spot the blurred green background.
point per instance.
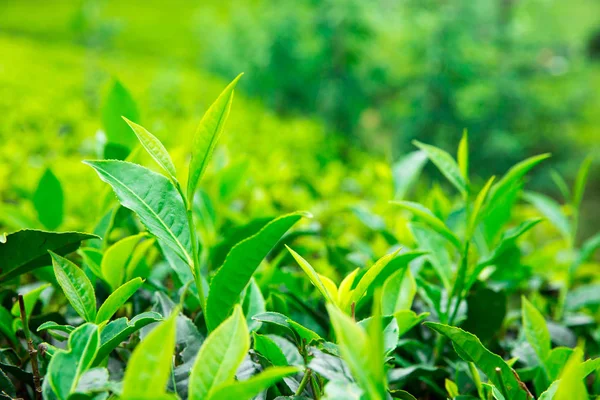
(334, 93)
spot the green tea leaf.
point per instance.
(48, 200)
(470, 349)
(207, 135)
(154, 147)
(246, 390)
(29, 298)
(67, 367)
(446, 164)
(218, 359)
(536, 331)
(115, 332)
(571, 384)
(398, 292)
(76, 286)
(551, 210)
(116, 258)
(119, 103)
(154, 199)
(463, 156)
(354, 347)
(580, 181)
(314, 277)
(406, 171)
(430, 219)
(475, 212)
(511, 179)
(149, 367)
(239, 266)
(367, 280)
(6, 326)
(269, 349)
(408, 319)
(92, 258)
(26, 250)
(117, 299)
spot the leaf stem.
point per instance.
(304, 382)
(502, 385)
(477, 380)
(32, 350)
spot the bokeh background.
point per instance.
(333, 95)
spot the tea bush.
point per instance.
(190, 288)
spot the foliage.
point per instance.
(183, 298)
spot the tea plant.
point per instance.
(160, 302)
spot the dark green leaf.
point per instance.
(76, 286)
(48, 200)
(25, 250)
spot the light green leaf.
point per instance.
(551, 210)
(154, 199)
(355, 350)
(313, 275)
(512, 179)
(119, 103)
(26, 250)
(117, 299)
(67, 367)
(253, 304)
(92, 258)
(116, 258)
(246, 390)
(476, 211)
(406, 171)
(367, 280)
(220, 355)
(29, 298)
(398, 292)
(446, 164)
(580, 181)
(149, 367)
(48, 200)
(207, 135)
(154, 147)
(430, 219)
(239, 266)
(536, 331)
(76, 286)
(463, 156)
(407, 319)
(571, 384)
(470, 349)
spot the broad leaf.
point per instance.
(48, 200)
(76, 286)
(239, 266)
(116, 258)
(67, 367)
(154, 199)
(149, 367)
(207, 135)
(470, 349)
(269, 349)
(117, 299)
(119, 330)
(119, 103)
(26, 250)
(29, 298)
(398, 292)
(222, 352)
